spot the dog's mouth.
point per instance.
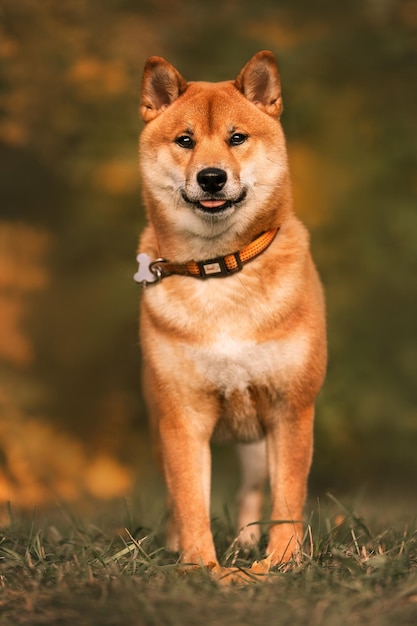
(214, 205)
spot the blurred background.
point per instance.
(72, 421)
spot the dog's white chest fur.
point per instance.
(249, 378)
(232, 364)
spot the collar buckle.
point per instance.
(220, 266)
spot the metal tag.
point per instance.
(144, 275)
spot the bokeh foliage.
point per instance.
(70, 215)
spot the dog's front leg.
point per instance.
(187, 467)
(290, 444)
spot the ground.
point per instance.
(101, 567)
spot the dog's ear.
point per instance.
(161, 85)
(259, 81)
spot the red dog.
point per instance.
(233, 326)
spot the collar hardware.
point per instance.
(218, 267)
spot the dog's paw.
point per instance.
(241, 576)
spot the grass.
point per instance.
(62, 568)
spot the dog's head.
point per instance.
(213, 155)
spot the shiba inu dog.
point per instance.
(233, 315)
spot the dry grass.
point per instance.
(64, 569)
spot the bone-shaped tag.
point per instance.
(144, 274)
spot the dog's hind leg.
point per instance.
(253, 464)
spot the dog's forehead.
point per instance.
(209, 96)
(208, 103)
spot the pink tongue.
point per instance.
(211, 204)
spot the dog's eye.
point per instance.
(237, 139)
(184, 141)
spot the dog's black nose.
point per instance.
(212, 179)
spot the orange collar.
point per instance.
(153, 271)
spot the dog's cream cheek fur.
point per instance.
(167, 180)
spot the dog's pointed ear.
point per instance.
(259, 81)
(161, 85)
